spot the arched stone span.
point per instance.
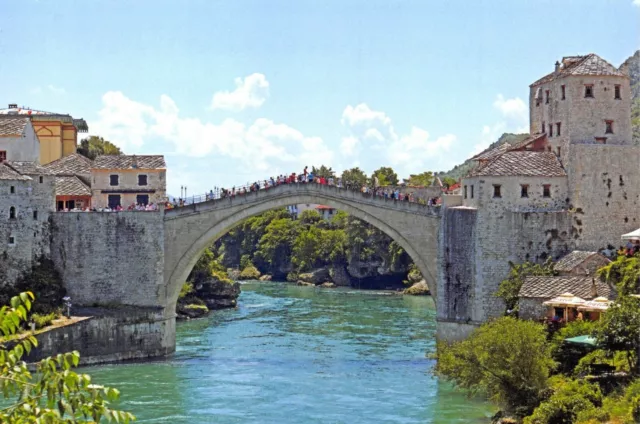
(189, 230)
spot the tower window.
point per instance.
(496, 190)
(588, 91)
(472, 191)
(12, 240)
(608, 127)
(559, 151)
(616, 91)
(524, 190)
(41, 179)
(3, 155)
(546, 190)
(547, 96)
(550, 130)
(142, 180)
(562, 87)
(558, 129)
(544, 126)
(12, 212)
(114, 180)
(35, 215)
(601, 140)
(12, 189)
(465, 192)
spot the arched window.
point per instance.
(12, 212)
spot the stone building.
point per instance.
(26, 200)
(574, 184)
(125, 180)
(73, 181)
(580, 262)
(18, 139)
(58, 133)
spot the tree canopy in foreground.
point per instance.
(53, 394)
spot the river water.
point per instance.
(292, 354)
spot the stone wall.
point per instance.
(111, 258)
(127, 187)
(110, 336)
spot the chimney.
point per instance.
(594, 288)
(557, 67)
(13, 106)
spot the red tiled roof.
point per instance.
(591, 64)
(323, 207)
(522, 163)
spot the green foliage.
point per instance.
(54, 393)
(354, 178)
(510, 288)
(314, 247)
(245, 261)
(309, 217)
(44, 282)
(448, 181)
(186, 290)
(206, 267)
(195, 307)
(568, 355)
(386, 176)
(275, 246)
(624, 273)
(250, 272)
(599, 356)
(570, 398)
(421, 180)
(507, 359)
(94, 146)
(323, 171)
(619, 329)
(42, 321)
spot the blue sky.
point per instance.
(230, 91)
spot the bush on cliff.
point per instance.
(509, 289)
(250, 272)
(45, 283)
(507, 359)
(53, 393)
(570, 398)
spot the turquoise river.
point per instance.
(292, 354)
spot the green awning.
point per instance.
(582, 340)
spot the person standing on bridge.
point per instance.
(305, 172)
(376, 182)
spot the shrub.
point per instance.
(186, 290)
(570, 398)
(599, 356)
(45, 283)
(42, 321)
(250, 273)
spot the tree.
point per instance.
(624, 273)
(448, 181)
(618, 330)
(276, 244)
(507, 359)
(386, 176)
(510, 288)
(94, 146)
(421, 180)
(354, 178)
(323, 171)
(54, 393)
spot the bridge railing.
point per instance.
(221, 193)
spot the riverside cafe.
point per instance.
(567, 307)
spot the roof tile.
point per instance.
(129, 162)
(522, 163)
(28, 168)
(591, 64)
(549, 287)
(74, 164)
(570, 261)
(71, 186)
(8, 173)
(13, 125)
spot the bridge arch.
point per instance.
(190, 230)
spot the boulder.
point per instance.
(249, 273)
(304, 283)
(418, 289)
(191, 311)
(328, 285)
(218, 293)
(234, 274)
(317, 276)
(414, 276)
(340, 276)
(265, 277)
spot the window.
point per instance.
(602, 140)
(35, 215)
(142, 180)
(550, 130)
(3, 155)
(114, 201)
(558, 129)
(544, 126)
(524, 190)
(12, 189)
(547, 95)
(496, 190)
(472, 191)
(12, 212)
(546, 190)
(559, 150)
(114, 180)
(142, 199)
(588, 91)
(608, 127)
(563, 92)
(465, 192)
(12, 240)
(41, 179)
(616, 91)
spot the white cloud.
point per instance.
(514, 110)
(373, 131)
(636, 3)
(252, 91)
(261, 146)
(514, 117)
(56, 90)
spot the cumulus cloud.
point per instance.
(514, 117)
(374, 131)
(250, 92)
(636, 3)
(263, 145)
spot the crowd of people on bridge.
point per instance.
(307, 177)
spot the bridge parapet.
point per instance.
(328, 193)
